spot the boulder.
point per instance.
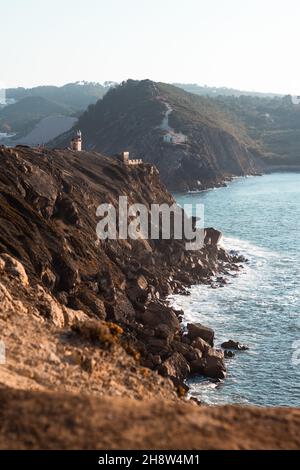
(95, 304)
(212, 236)
(228, 354)
(163, 331)
(49, 308)
(48, 278)
(157, 346)
(211, 365)
(122, 311)
(71, 317)
(234, 345)
(189, 353)
(175, 367)
(157, 315)
(67, 210)
(15, 268)
(200, 344)
(196, 330)
(67, 274)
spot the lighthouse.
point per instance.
(76, 142)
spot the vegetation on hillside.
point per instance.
(22, 116)
(274, 123)
(29, 105)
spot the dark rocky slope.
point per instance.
(130, 118)
(48, 203)
(80, 320)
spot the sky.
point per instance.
(249, 45)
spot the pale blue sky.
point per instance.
(245, 44)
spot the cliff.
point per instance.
(48, 210)
(83, 318)
(209, 147)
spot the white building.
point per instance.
(76, 142)
(175, 139)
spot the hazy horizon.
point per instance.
(140, 79)
(220, 44)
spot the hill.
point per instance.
(274, 123)
(75, 95)
(221, 91)
(27, 107)
(21, 117)
(192, 140)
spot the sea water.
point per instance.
(260, 218)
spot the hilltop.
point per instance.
(209, 145)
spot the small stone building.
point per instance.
(125, 158)
(76, 142)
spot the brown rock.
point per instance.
(163, 331)
(15, 268)
(157, 346)
(142, 282)
(212, 236)
(175, 367)
(200, 344)
(228, 354)
(234, 345)
(196, 330)
(189, 353)
(212, 365)
(157, 315)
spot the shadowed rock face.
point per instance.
(48, 209)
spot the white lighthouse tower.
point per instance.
(76, 142)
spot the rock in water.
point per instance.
(196, 330)
(211, 365)
(234, 345)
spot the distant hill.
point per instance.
(22, 116)
(221, 91)
(138, 116)
(27, 107)
(271, 120)
(274, 123)
(74, 95)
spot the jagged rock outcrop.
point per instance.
(48, 237)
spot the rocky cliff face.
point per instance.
(81, 318)
(206, 145)
(48, 224)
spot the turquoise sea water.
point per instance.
(259, 217)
